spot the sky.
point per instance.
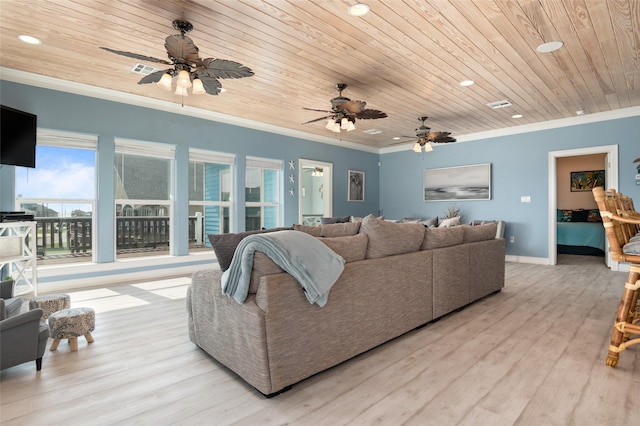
(60, 173)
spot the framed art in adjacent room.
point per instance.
(458, 183)
(356, 186)
(587, 180)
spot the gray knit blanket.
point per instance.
(303, 256)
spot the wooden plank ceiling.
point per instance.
(406, 57)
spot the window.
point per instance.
(210, 202)
(262, 193)
(61, 193)
(143, 197)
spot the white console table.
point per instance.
(18, 255)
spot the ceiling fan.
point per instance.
(425, 137)
(344, 112)
(191, 71)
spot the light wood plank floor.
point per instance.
(533, 354)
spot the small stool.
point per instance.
(71, 323)
(50, 303)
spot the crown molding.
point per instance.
(82, 89)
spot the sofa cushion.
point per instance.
(473, 234)
(262, 265)
(351, 247)
(330, 220)
(442, 237)
(331, 230)
(388, 238)
(224, 245)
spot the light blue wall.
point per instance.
(519, 163)
(519, 166)
(110, 120)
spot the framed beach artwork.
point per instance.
(587, 180)
(458, 183)
(356, 186)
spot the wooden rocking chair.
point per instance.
(622, 223)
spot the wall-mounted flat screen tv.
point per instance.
(17, 137)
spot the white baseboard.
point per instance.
(527, 259)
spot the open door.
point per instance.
(315, 191)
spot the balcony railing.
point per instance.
(72, 235)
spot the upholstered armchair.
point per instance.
(23, 337)
(12, 304)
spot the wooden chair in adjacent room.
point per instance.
(622, 225)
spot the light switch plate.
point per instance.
(525, 199)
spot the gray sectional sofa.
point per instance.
(396, 277)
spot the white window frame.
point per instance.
(271, 164)
(60, 139)
(212, 157)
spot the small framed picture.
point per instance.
(587, 180)
(356, 186)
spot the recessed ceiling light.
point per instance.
(466, 83)
(359, 9)
(516, 116)
(580, 112)
(372, 131)
(549, 47)
(396, 138)
(28, 39)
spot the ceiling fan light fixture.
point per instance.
(198, 87)
(350, 126)
(165, 81)
(417, 147)
(343, 123)
(336, 127)
(181, 91)
(330, 124)
(428, 147)
(184, 79)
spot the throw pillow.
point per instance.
(224, 245)
(331, 230)
(579, 215)
(442, 237)
(430, 223)
(351, 248)
(388, 238)
(632, 248)
(477, 233)
(594, 216)
(565, 215)
(452, 221)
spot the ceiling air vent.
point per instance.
(372, 131)
(144, 69)
(499, 104)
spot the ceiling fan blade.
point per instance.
(153, 77)
(440, 137)
(318, 119)
(211, 84)
(370, 114)
(223, 68)
(137, 56)
(181, 49)
(318, 110)
(351, 107)
(405, 141)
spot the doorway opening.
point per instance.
(315, 191)
(610, 166)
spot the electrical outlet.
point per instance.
(512, 239)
